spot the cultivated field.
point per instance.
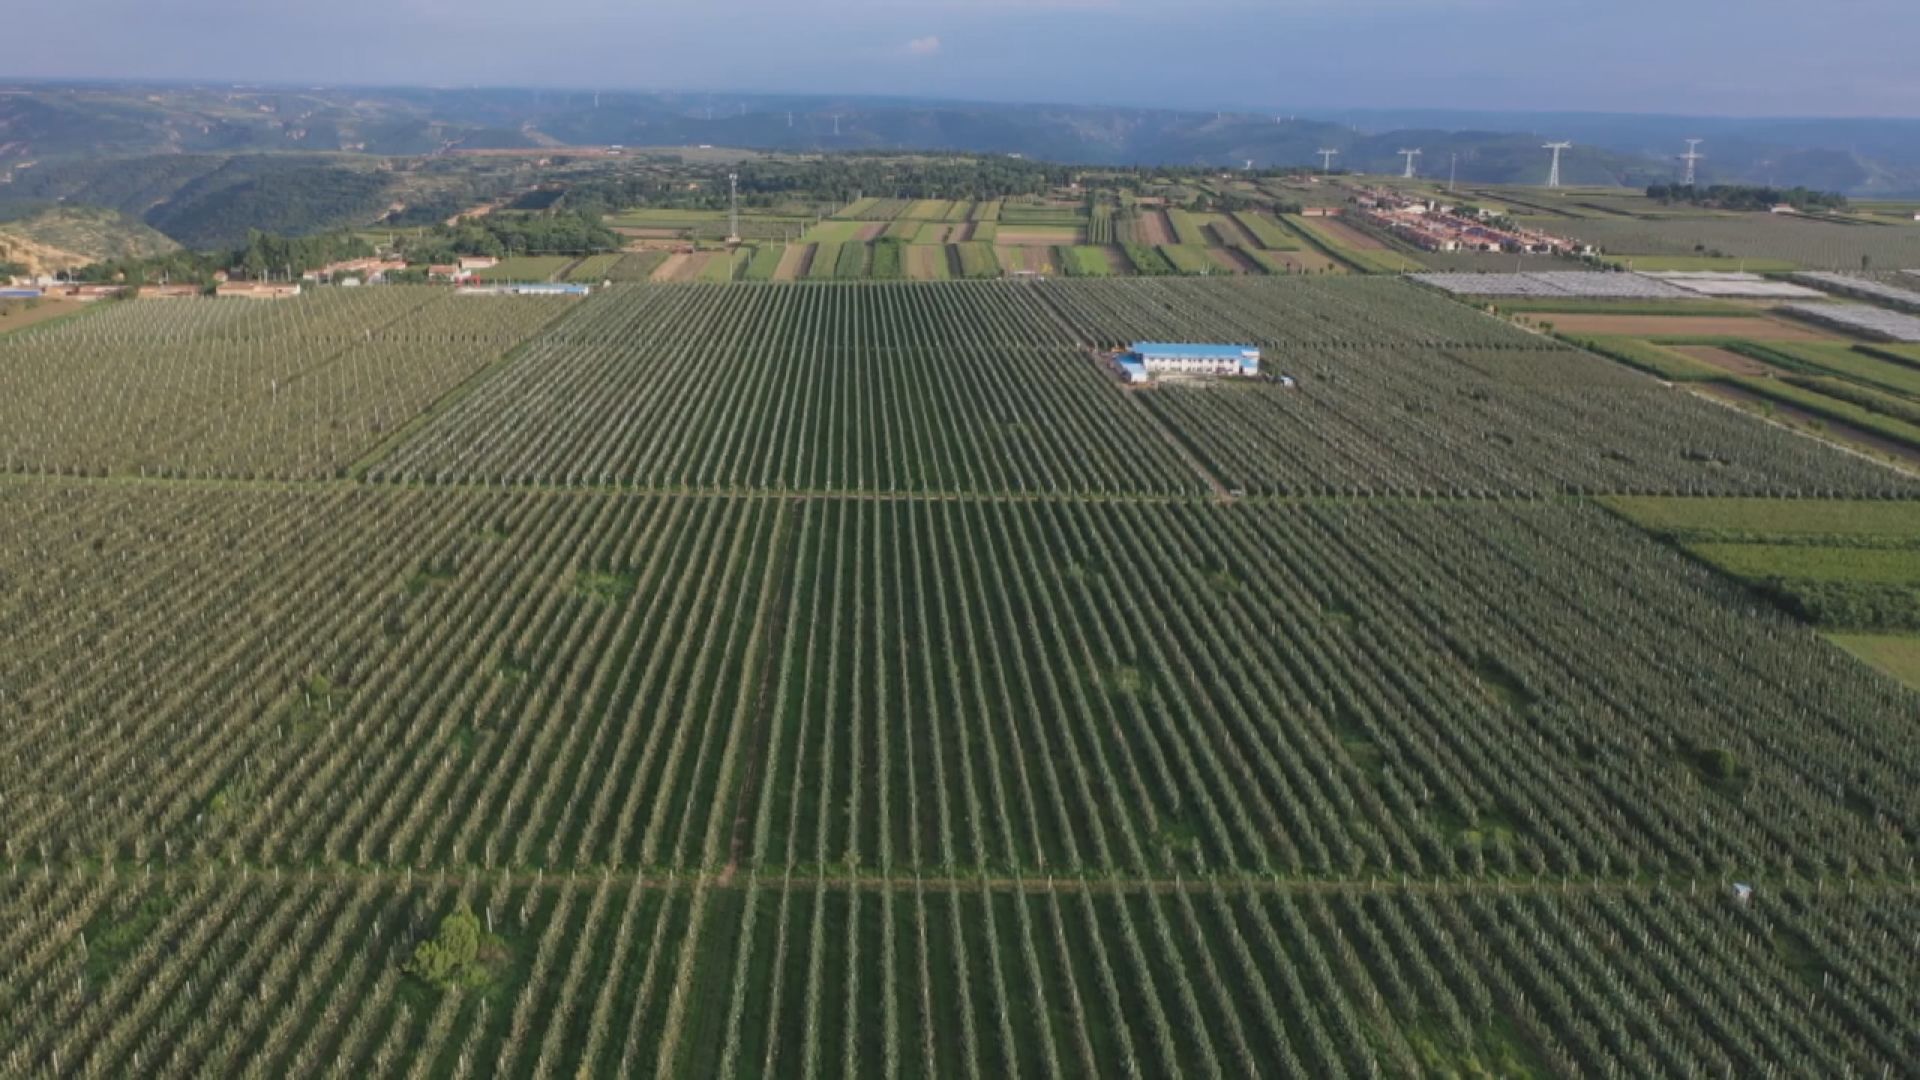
(245, 390)
(856, 678)
(1684, 326)
(1780, 239)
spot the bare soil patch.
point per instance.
(1036, 237)
(871, 232)
(794, 262)
(1154, 228)
(1347, 236)
(672, 268)
(1232, 261)
(1227, 232)
(1724, 360)
(20, 314)
(1038, 260)
(1652, 326)
(927, 262)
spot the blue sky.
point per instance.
(1750, 57)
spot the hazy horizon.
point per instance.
(1310, 56)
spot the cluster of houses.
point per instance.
(348, 273)
(1434, 226)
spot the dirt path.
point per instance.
(1751, 328)
(672, 268)
(1724, 360)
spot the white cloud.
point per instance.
(924, 46)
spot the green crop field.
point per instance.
(1186, 259)
(857, 678)
(238, 390)
(1765, 241)
(834, 232)
(594, 268)
(527, 268)
(977, 260)
(764, 262)
(1086, 261)
(1271, 235)
(636, 266)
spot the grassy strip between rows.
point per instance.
(1650, 358)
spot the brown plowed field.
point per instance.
(871, 232)
(1154, 228)
(16, 315)
(672, 268)
(794, 262)
(1233, 261)
(1348, 236)
(1724, 360)
(1036, 237)
(1038, 260)
(927, 262)
(1228, 233)
(1650, 326)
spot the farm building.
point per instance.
(1170, 359)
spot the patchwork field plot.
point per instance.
(1777, 238)
(228, 388)
(1685, 326)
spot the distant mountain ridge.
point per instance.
(292, 155)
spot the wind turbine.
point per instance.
(1692, 157)
(1553, 175)
(1410, 155)
(1326, 159)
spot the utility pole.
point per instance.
(1553, 175)
(733, 218)
(1453, 170)
(1692, 157)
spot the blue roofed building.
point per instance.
(1164, 358)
